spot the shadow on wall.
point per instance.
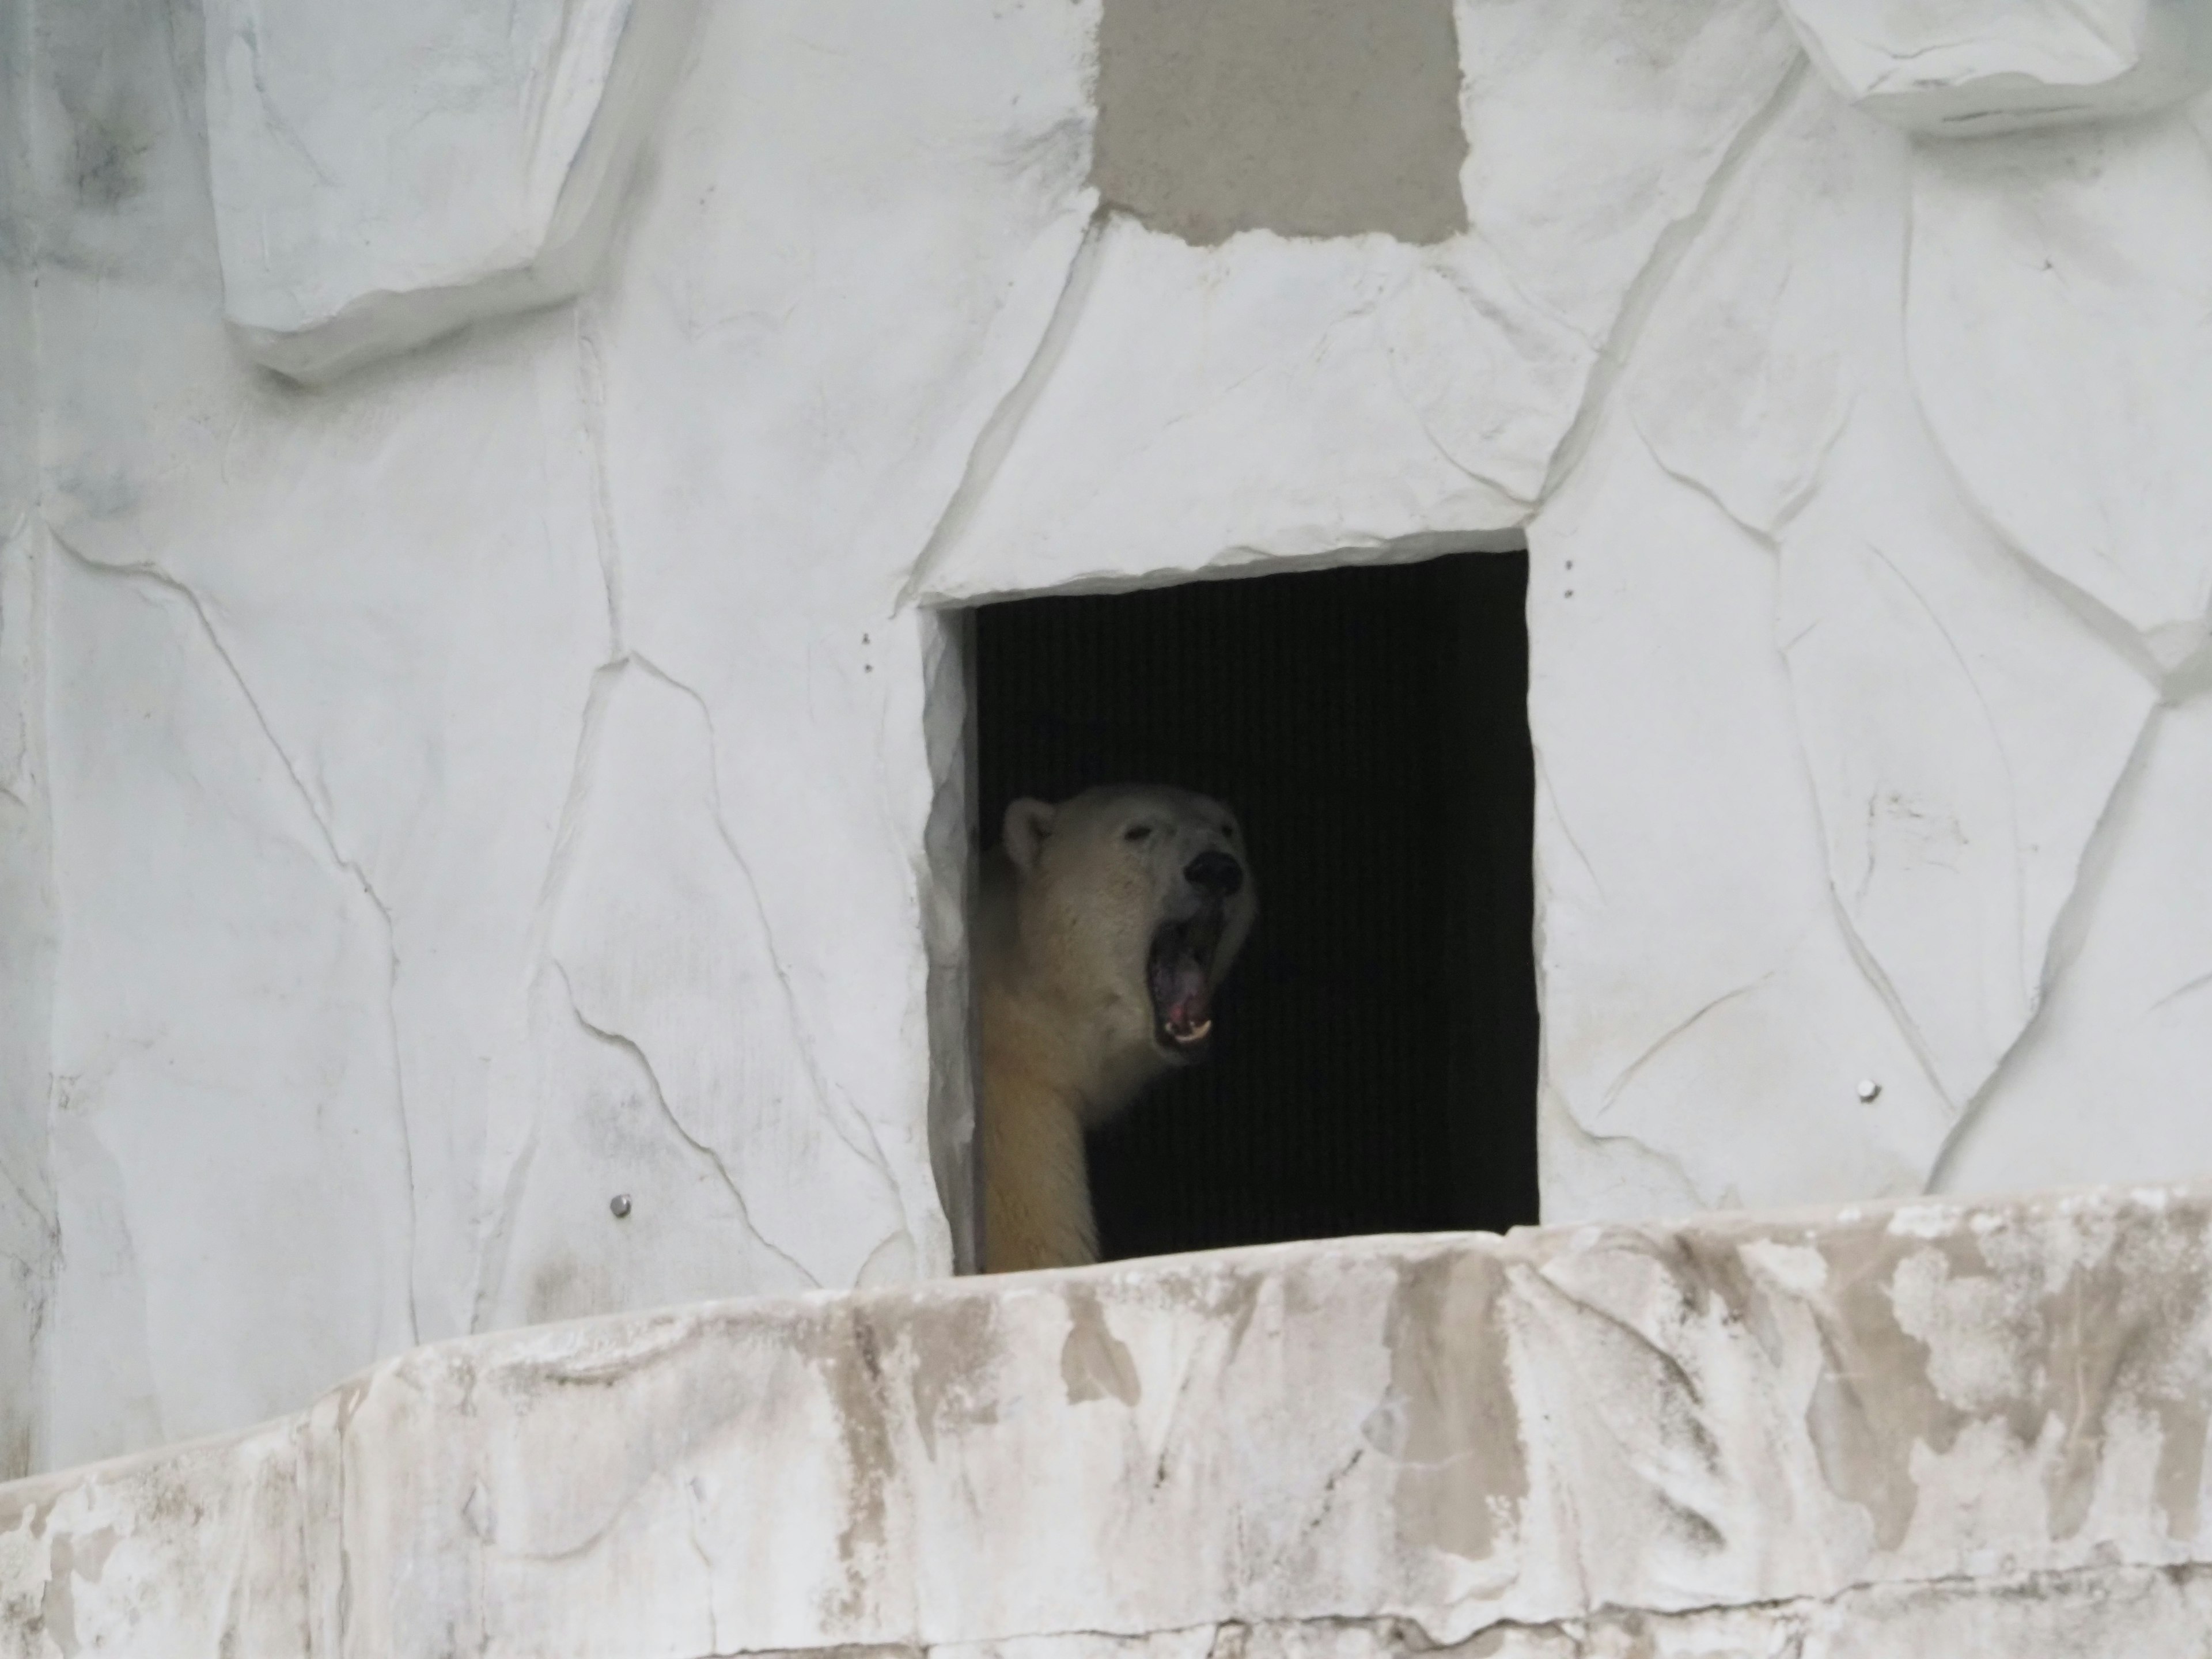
(1374, 1066)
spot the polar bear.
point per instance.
(1105, 925)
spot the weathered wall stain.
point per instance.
(72, 1557)
(1450, 1418)
(2128, 1331)
(1875, 1400)
(1094, 1363)
(853, 1360)
(2058, 1331)
(950, 1353)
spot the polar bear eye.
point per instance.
(1138, 832)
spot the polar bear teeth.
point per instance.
(1196, 1034)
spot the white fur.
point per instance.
(1068, 910)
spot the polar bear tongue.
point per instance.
(1179, 993)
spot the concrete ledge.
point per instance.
(1926, 1427)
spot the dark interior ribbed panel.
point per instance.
(1375, 1061)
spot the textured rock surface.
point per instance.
(454, 831)
(528, 770)
(1965, 68)
(26, 1199)
(2097, 245)
(1824, 519)
(385, 176)
(1960, 728)
(1207, 408)
(2128, 1012)
(1930, 1430)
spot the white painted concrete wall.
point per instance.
(26, 964)
(525, 768)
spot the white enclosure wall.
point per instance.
(466, 776)
(27, 1199)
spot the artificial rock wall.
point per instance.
(481, 485)
(1916, 1431)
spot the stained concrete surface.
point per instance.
(1926, 1429)
(1311, 117)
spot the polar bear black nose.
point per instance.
(1214, 871)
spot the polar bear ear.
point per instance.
(1028, 823)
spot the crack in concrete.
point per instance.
(1512, 325)
(1667, 253)
(493, 1246)
(2093, 613)
(560, 863)
(19, 550)
(2068, 930)
(560, 868)
(1996, 742)
(707, 1561)
(827, 1100)
(1877, 979)
(635, 1051)
(1436, 444)
(1870, 967)
(1559, 816)
(1681, 1028)
(46, 1219)
(2030, 994)
(1861, 954)
(2123, 636)
(592, 392)
(493, 1242)
(1766, 539)
(156, 576)
(1577, 1627)
(274, 118)
(1786, 510)
(1004, 425)
(2194, 982)
(1589, 1138)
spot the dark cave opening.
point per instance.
(1375, 1062)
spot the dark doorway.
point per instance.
(1374, 1067)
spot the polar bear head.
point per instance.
(1131, 902)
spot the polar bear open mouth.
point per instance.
(1179, 974)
